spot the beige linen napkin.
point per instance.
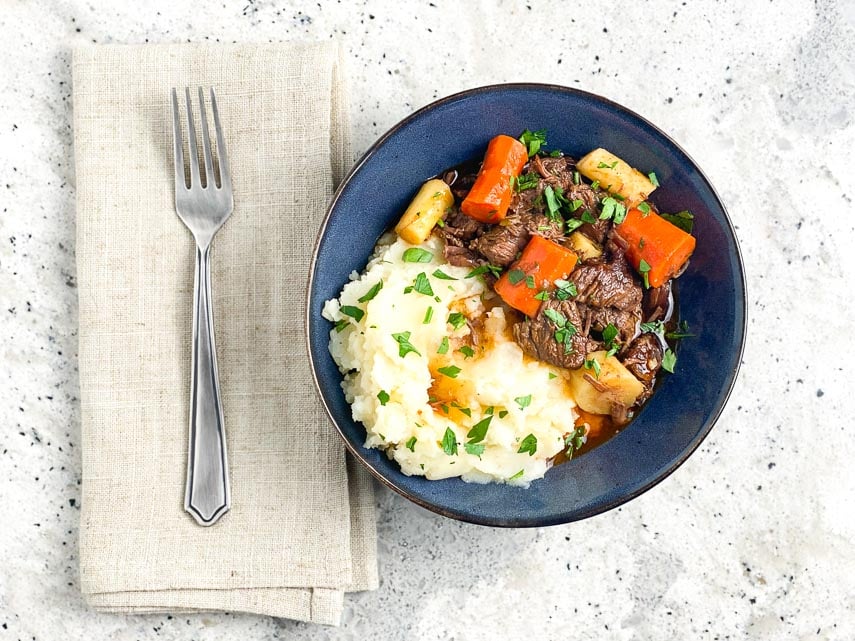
(301, 530)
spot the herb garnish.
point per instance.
(383, 397)
(523, 401)
(565, 290)
(644, 208)
(450, 370)
(603, 165)
(516, 276)
(566, 330)
(354, 312)
(417, 255)
(456, 320)
(574, 441)
(593, 363)
(533, 140)
(542, 295)
(411, 443)
(644, 270)
(483, 269)
(404, 344)
(517, 475)
(653, 179)
(475, 449)
(685, 220)
(669, 360)
(449, 442)
(371, 293)
(478, 431)
(443, 346)
(527, 181)
(442, 275)
(421, 285)
(467, 351)
(529, 444)
(341, 325)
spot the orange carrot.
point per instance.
(490, 196)
(542, 263)
(663, 247)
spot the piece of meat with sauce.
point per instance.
(599, 318)
(608, 284)
(536, 336)
(643, 358)
(504, 241)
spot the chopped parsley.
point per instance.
(428, 315)
(475, 449)
(411, 443)
(489, 411)
(657, 327)
(603, 165)
(595, 185)
(517, 475)
(443, 346)
(669, 360)
(404, 344)
(503, 413)
(542, 295)
(566, 289)
(594, 364)
(523, 401)
(552, 375)
(644, 208)
(483, 269)
(478, 431)
(383, 397)
(354, 312)
(576, 178)
(575, 204)
(421, 284)
(566, 330)
(644, 270)
(682, 331)
(552, 205)
(467, 351)
(417, 255)
(371, 293)
(341, 325)
(529, 282)
(613, 210)
(588, 218)
(653, 178)
(451, 371)
(449, 442)
(685, 220)
(516, 276)
(574, 441)
(456, 320)
(533, 140)
(555, 317)
(527, 181)
(529, 444)
(573, 224)
(442, 275)
(609, 335)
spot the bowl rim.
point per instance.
(355, 450)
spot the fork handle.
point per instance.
(207, 495)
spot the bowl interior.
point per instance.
(712, 297)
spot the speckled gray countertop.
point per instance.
(753, 538)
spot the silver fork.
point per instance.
(203, 208)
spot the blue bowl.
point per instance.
(712, 295)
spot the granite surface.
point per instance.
(753, 538)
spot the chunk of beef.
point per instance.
(461, 226)
(536, 336)
(598, 318)
(656, 302)
(504, 241)
(461, 256)
(643, 358)
(461, 181)
(608, 284)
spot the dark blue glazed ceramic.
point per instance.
(712, 294)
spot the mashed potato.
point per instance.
(441, 398)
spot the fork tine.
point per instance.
(178, 145)
(195, 181)
(225, 176)
(206, 143)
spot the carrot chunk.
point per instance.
(490, 196)
(655, 247)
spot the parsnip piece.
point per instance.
(584, 246)
(615, 175)
(426, 208)
(615, 384)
